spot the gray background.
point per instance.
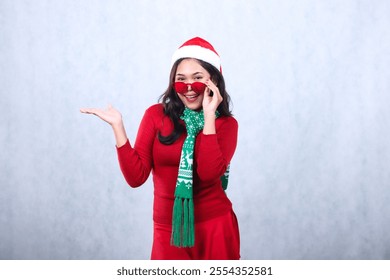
(310, 83)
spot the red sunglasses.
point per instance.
(182, 88)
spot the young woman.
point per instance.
(187, 141)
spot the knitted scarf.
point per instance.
(183, 233)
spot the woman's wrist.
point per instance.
(120, 134)
(117, 125)
(209, 124)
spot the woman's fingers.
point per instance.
(109, 115)
(214, 89)
(214, 100)
(88, 110)
(97, 112)
(93, 111)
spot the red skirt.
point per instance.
(215, 239)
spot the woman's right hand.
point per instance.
(113, 117)
(110, 115)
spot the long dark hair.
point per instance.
(174, 107)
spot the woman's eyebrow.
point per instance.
(194, 74)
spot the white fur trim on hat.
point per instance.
(197, 52)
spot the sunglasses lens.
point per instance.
(181, 87)
(198, 87)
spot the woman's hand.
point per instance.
(110, 115)
(113, 117)
(211, 103)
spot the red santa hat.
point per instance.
(200, 49)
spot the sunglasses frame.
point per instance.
(182, 88)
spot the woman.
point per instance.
(187, 141)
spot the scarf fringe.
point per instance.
(183, 234)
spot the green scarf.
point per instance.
(183, 233)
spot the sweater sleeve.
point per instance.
(136, 162)
(217, 150)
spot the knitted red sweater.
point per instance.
(212, 156)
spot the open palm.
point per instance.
(109, 115)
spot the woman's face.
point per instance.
(190, 71)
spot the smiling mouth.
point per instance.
(191, 97)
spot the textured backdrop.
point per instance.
(310, 83)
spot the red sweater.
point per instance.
(212, 155)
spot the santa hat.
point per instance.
(200, 49)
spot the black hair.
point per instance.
(174, 107)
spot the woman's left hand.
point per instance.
(211, 103)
